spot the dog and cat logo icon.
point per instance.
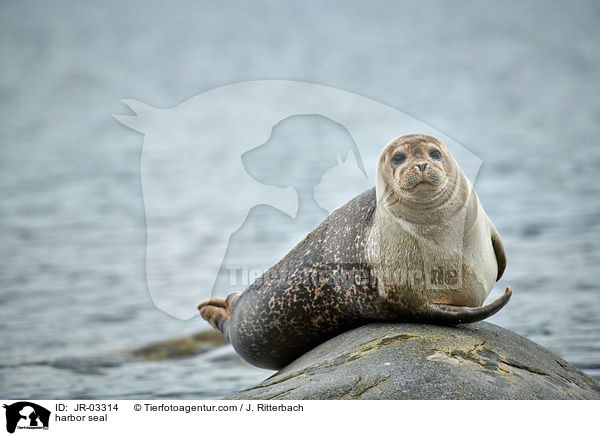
(26, 415)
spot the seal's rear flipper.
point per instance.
(217, 311)
(447, 314)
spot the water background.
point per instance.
(517, 84)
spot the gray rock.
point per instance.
(186, 346)
(413, 361)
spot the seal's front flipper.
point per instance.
(447, 314)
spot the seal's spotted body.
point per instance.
(297, 314)
(344, 273)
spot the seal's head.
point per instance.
(415, 170)
(415, 166)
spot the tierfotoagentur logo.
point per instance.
(25, 415)
(235, 177)
(343, 275)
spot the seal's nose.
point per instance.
(422, 166)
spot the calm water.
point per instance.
(516, 84)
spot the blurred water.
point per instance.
(517, 84)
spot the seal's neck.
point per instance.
(437, 208)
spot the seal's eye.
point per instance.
(398, 158)
(435, 154)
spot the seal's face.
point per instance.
(415, 167)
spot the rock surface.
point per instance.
(186, 346)
(413, 361)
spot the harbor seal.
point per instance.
(416, 248)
